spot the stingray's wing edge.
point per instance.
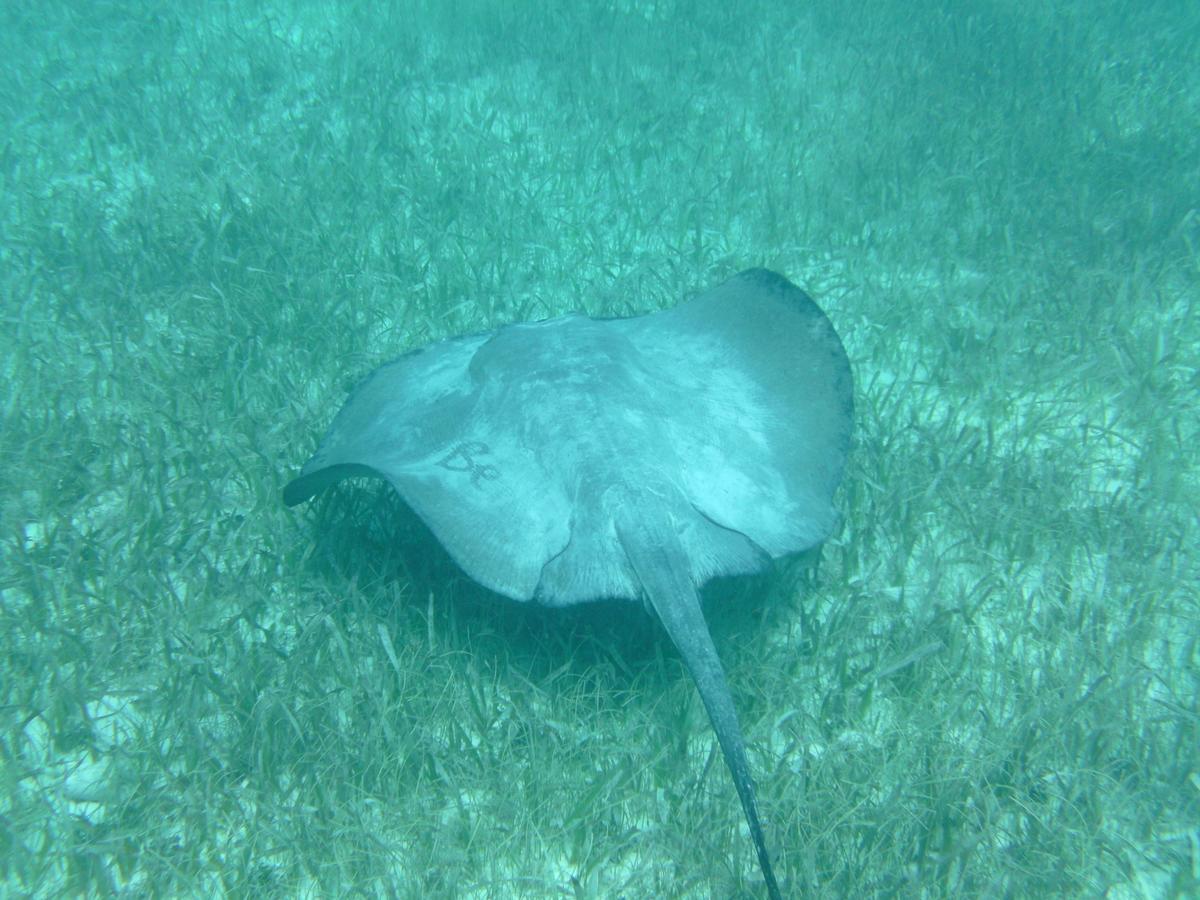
(310, 484)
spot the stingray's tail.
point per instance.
(661, 566)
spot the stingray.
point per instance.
(578, 459)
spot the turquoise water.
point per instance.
(216, 219)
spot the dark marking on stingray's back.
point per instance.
(465, 457)
(575, 459)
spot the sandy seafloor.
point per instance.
(216, 218)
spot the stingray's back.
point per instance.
(731, 412)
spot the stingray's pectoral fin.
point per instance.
(308, 484)
(653, 549)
